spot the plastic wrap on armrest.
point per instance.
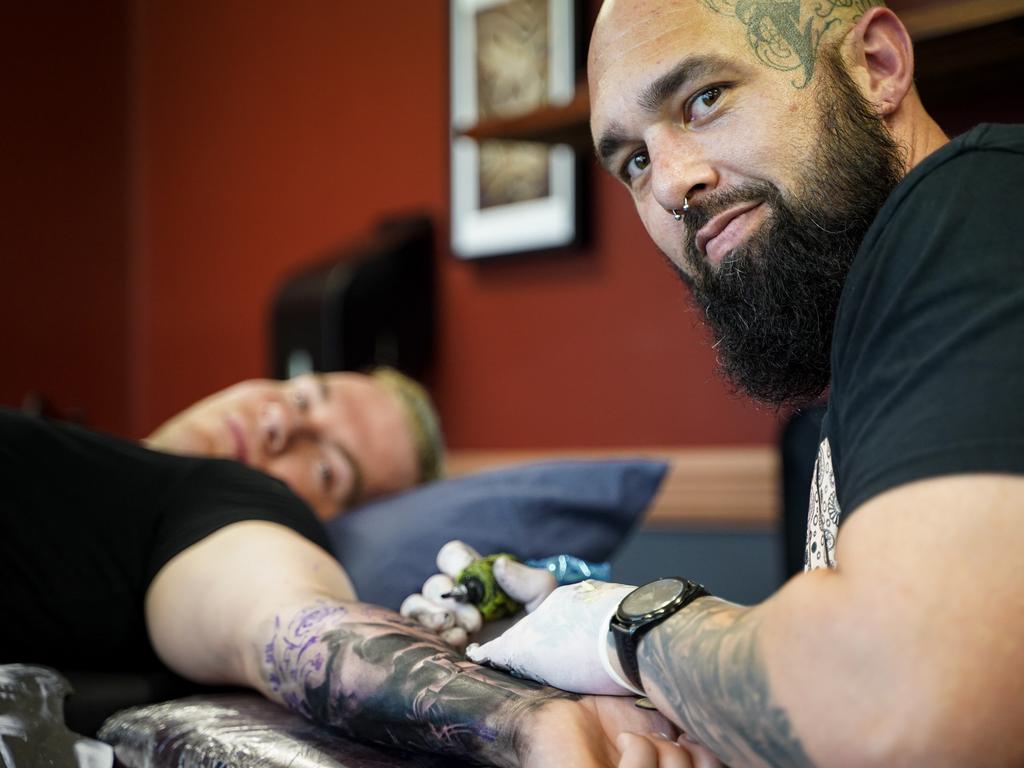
(240, 730)
(32, 730)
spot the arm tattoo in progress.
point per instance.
(784, 34)
(372, 675)
(705, 663)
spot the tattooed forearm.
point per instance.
(784, 34)
(370, 674)
(704, 663)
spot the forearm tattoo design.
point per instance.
(784, 34)
(704, 661)
(372, 675)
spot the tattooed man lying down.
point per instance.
(115, 557)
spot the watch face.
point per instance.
(651, 597)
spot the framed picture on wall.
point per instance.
(508, 58)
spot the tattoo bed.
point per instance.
(232, 729)
(241, 729)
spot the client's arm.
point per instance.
(258, 605)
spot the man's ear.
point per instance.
(882, 57)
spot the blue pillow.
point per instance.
(581, 508)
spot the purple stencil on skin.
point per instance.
(369, 673)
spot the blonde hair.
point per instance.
(423, 417)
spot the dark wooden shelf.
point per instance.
(954, 41)
(552, 124)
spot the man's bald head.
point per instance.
(636, 40)
(785, 36)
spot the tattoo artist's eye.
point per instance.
(635, 165)
(703, 103)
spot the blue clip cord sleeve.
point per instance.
(570, 570)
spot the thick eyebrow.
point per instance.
(355, 495)
(657, 93)
(653, 97)
(608, 145)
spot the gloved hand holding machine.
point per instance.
(580, 636)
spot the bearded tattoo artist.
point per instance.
(779, 156)
(206, 557)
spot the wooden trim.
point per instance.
(705, 486)
(549, 124)
(947, 17)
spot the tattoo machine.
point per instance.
(476, 584)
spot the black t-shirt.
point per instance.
(87, 521)
(928, 349)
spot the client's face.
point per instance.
(335, 439)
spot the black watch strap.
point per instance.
(626, 650)
(627, 632)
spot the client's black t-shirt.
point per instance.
(87, 521)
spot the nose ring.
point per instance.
(676, 214)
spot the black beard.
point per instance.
(771, 303)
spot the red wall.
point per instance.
(166, 162)
(262, 134)
(270, 132)
(63, 197)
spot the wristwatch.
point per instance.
(643, 609)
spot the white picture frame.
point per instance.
(543, 222)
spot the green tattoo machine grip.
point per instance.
(476, 584)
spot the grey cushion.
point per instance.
(581, 508)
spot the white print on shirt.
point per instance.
(822, 513)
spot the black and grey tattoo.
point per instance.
(372, 675)
(705, 663)
(784, 34)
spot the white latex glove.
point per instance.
(565, 642)
(452, 620)
(455, 621)
(526, 585)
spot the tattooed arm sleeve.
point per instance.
(908, 653)
(704, 668)
(258, 605)
(369, 673)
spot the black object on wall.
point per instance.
(370, 303)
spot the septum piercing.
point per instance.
(676, 214)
